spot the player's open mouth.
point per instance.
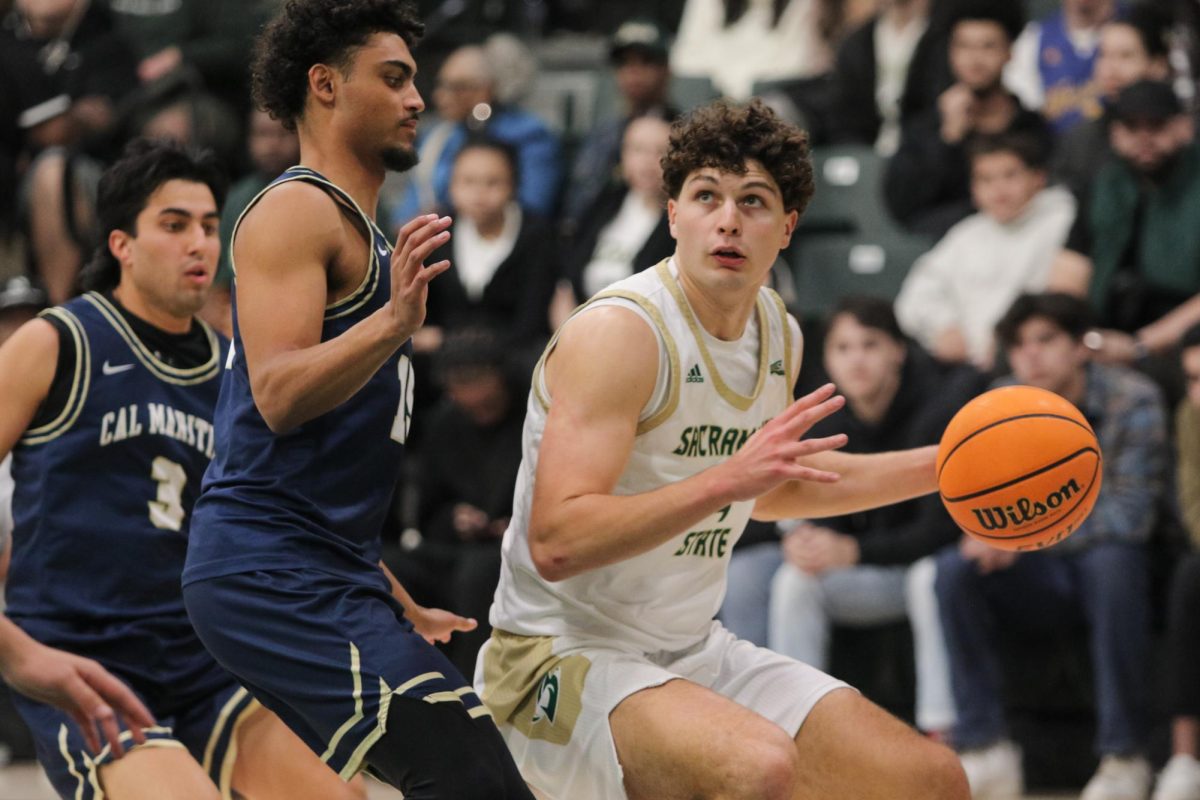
(729, 256)
(196, 274)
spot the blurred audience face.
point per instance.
(1122, 59)
(979, 49)
(170, 258)
(1149, 145)
(864, 362)
(45, 18)
(482, 185)
(462, 84)
(1002, 184)
(1089, 11)
(273, 148)
(480, 393)
(1044, 355)
(642, 81)
(642, 150)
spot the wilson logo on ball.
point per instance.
(1024, 510)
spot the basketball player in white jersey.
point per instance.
(660, 421)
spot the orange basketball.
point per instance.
(1019, 468)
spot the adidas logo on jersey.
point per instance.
(777, 367)
(694, 375)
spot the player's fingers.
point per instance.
(796, 425)
(799, 472)
(414, 264)
(807, 447)
(119, 696)
(430, 272)
(404, 258)
(86, 727)
(112, 733)
(413, 224)
(802, 404)
(90, 710)
(465, 624)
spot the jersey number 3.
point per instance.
(404, 412)
(166, 511)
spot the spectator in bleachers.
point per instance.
(737, 42)
(211, 37)
(888, 71)
(466, 483)
(638, 53)
(1131, 49)
(874, 567)
(1180, 779)
(625, 230)
(466, 102)
(927, 185)
(1097, 579)
(272, 149)
(502, 258)
(1051, 68)
(1134, 250)
(955, 294)
(82, 53)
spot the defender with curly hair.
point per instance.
(284, 582)
(661, 419)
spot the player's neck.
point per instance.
(137, 304)
(723, 315)
(357, 179)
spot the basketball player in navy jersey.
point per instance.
(283, 580)
(106, 404)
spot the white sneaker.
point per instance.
(1119, 779)
(994, 772)
(1179, 780)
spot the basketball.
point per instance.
(1019, 468)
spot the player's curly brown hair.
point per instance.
(307, 32)
(726, 135)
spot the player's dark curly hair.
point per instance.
(125, 188)
(725, 135)
(307, 32)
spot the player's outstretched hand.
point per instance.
(88, 693)
(415, 242)
(773, 454)
(437, 625)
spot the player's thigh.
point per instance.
(850, 749)
(157, 773)
(681, 740)
(263, 744)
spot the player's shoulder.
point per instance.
(297, 209)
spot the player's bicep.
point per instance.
(600, 376)
(27, 364)
(281, 254)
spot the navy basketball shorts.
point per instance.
(205, 726)
(325, 652)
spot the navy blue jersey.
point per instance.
(103, 490)
(314, 496)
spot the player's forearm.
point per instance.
(867, 481)
(296, 386)
(594, 530)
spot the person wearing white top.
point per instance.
(661, 418)
(954, 295)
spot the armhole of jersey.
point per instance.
(80, 381)
(790, 348)
(361, 293)
(665, 397)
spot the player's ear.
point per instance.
(789, 227)
(321, 81)
(671, 217)
(120, 244)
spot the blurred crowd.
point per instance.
(1006, 192)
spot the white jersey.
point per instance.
(664, 599)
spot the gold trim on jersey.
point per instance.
(738, 401)
(178, 376)
(229, 758)
(672, 401)
(366, 288)
(788, 365)
(356, 717)
(80, 383)
(66, 754)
